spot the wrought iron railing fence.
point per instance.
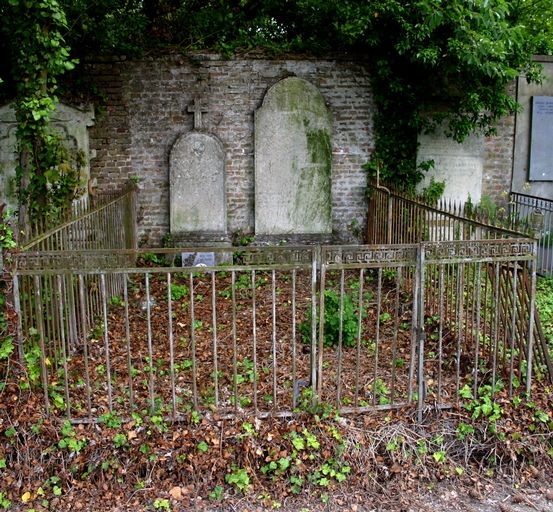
(74, 211)
(270, 330)
(438, 302)
(395, 217)
(108, 227)
(536, 213)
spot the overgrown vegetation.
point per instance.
(544, 304)
(146, 462)
(339, 316)
(48, 176)
(431, 62)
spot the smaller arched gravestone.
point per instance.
(197, 186)
(293, 161)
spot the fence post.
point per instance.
(419, 327)
(531, 308)
(316, 267)
(18, 326)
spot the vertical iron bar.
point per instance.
(193, 341)
(234, 349)
(316, 260)
(377, 336)
(128, 338)
(532, 312)
(215, 342)
(40, 325)
(321, 331)
(476, 331)
(458, 323)
(359, 329)
(106, 340)
(441, 312)
(171, 346)
(396, 333)
(82, 304)
(63, 347)
(294, 348)
(414, 332)
(513, 328)
(420, 330)
(19, 324)
(340, 341)
(150, 348)
(274, 339)
(254, 346)
(495, 326)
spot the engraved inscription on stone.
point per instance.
(541, 144)
(197, 185)
(293, 160)
(460, 165)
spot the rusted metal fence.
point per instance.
(273, 329)
(536, 214)
(74, 211)
(396, 218)
(111, 225)
(108, 227)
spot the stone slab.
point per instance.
(460, 165)
(197, 185)
(521, 161)
(293, 161)
(541, 137)
(198, 259)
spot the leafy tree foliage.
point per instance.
(39, 56)
(431, 61)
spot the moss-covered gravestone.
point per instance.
(293, 161)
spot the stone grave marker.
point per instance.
(197, 183)
(460, 165)
(293, 161)
(71, 123)
(541, 149)
(198, 259)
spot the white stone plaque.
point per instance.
(460, 165)
(198, 259)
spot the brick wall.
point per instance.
(498, 159)
(145, 110)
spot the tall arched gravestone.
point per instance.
(197, 186)
(71, 123)
(293, 161)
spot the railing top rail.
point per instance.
(543, 202)
(273, 258)
(29, 245)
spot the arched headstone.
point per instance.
(197, 185)
(293, 161)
